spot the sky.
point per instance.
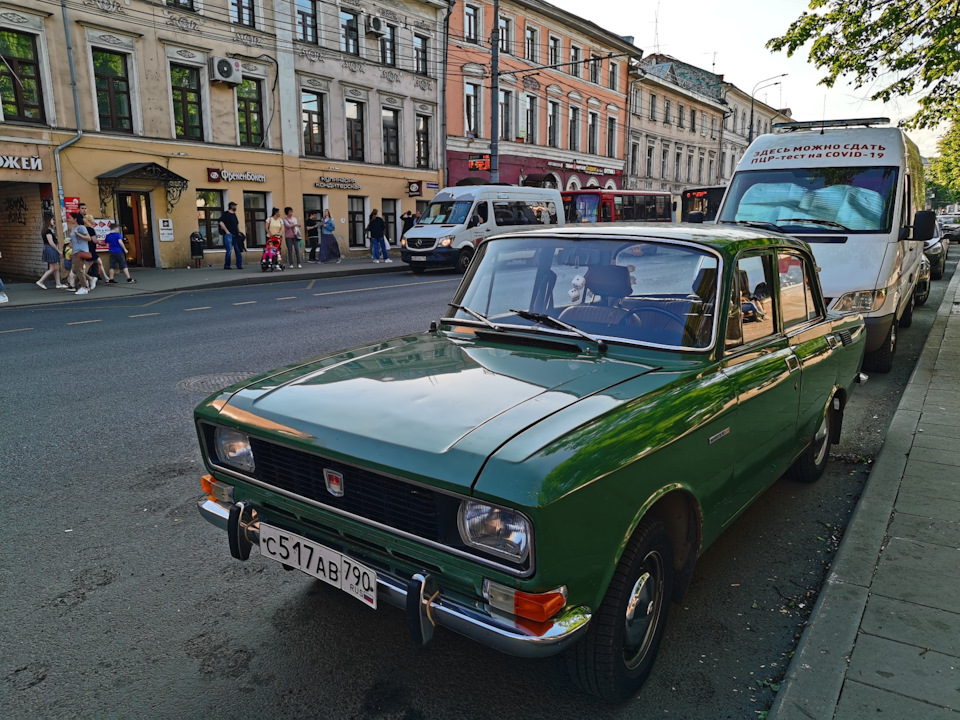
(728, 37)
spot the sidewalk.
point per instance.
(884, 636)
(155, 280)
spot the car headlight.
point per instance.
(403, 242)
(861, 301)
(496, 530)
(233, 449)
(446, 241)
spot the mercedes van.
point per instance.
(854, 191)
(461, 217)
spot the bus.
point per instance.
(601, 205)
(701, 199)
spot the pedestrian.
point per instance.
(291, 233)
(416, 218)
(81, 255)
(3, 295)
(51, 253)
(118, 253)
(229, 225)
(68, 266)
(313, 234)
(329, 248)
(376, 230)
(408, 221)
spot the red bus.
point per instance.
(701, 199)
(599, 205)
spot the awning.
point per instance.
(148, 174)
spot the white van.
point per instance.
(855, 193)
(458, 218)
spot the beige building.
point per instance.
(187, 105)
(736, 126)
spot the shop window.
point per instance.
(210, 207)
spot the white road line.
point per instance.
(290, 297)
(143, 315)
(17, 330)
(84, 322)
(247, 302)
(205, 307)
(387, 287)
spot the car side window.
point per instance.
(796, 294)
(751, 313)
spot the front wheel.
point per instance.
(906, 320)
(617, 654)
(417, 269)
(921, 295)
(881, 359)
(809, 467)
(463, 260)
(936, 273)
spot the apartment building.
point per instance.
(560, 105)
(183, 106)
(736, 126)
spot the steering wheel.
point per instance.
(673, 319)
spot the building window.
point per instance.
(678, 164)
(530, 121)
(703, 124)
(532, 44)
(391, 136)
(554, 51)
(664, 155)
(637, 101)
(574, 138)
(553, 123)
(681, 117)
(250, 112)
(307, 21)
(209, 210)
(187, 106)
(471, 23)
(710, 173)
(690, 167)
(595, 65)
(420, 47)
(634, 158)
(650, 151)
(614, 77)
(113, 91)
(388, 211)
(574, 61)
(423, 141)
(667, 112)
(713, 126)
(354, 130)
(181, 4)
(506, 100)
(504, 28)
(700, 169)
(242, 12)
(312, 119)
(611, 137)
(593, 133)
(653, 106)
(471, 109)
(388, 46)
(350, 33)
(356, 221)
(20, 89)
(693, 120)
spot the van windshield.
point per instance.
(811, 200)
(446, 212)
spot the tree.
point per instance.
(906, 46)
(945, 169)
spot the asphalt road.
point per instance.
(118, 600)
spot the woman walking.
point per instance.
(81, 253)
(376, 230)
(329, 248)
(291, 232)
(51, 254)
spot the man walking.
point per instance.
(229, 228)
(407, 223)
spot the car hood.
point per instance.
(428, 407)
(432, 231)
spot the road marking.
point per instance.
(386, 287)
(17, 330)
(247, 302)
(311, 284)
(205, 307)
(289, 297)
(144, 315)
(159, 300)
(84, 322)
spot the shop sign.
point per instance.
(414, 188)
(433, 186)
(478, 162)
(337, 183)
(218, 174)
(592, 169)
(21, 163)
(166, 229)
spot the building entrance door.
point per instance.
(136, 221)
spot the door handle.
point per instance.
(793, 364)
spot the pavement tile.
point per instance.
(922, 528)
(907, 670)
(919, 579)
(937, 442)
(916, 504)
(927, 487)
(950, 430)
(915, 467)
(859, 701)
(940, 417)
(912, 624)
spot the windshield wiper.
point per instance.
(474, 314)
(560, 325)
(825, 223)
(758, 224)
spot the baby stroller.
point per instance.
(271, 260)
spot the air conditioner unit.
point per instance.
(376, 26)
(225, 70)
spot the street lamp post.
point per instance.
(753, 93)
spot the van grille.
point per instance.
(420, 243)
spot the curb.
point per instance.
(814, 679)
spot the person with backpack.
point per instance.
(376, 229)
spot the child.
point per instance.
(118, 253)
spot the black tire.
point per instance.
(810, 465)
(417, 269)
(617, 654)
(937, 272)
(881, 359)
(906, 320)
(463, 260)
(921, 296)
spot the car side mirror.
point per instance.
(924, 225)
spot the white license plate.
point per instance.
(321, 562)
(418, 258)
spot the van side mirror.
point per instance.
(924, 225)
(695, 217)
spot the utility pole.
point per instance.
(495, 96)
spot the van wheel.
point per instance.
(920, 297)
(881, 359)
(810, 465)
(936, 273)
(417, 269)
(906, 320)
(463, 260)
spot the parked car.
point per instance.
(541, 470)
(950, 226)
(936, 249)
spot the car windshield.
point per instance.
(625, 289)
(446, 212)
(845, 199)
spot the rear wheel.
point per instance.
(463, 260)
(937, 272)
(923, 292)
(906, 320)
(809, 467)
(881, 359)
(617, 654)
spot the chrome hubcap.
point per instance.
(640, 619)
(820, 441)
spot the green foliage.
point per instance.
(943, 177)
(901, 47)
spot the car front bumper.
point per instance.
(877, 329)
(425, 610)
(437, 257)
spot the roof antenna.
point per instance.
(656, 28)
(824, 118)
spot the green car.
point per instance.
(542, 468)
